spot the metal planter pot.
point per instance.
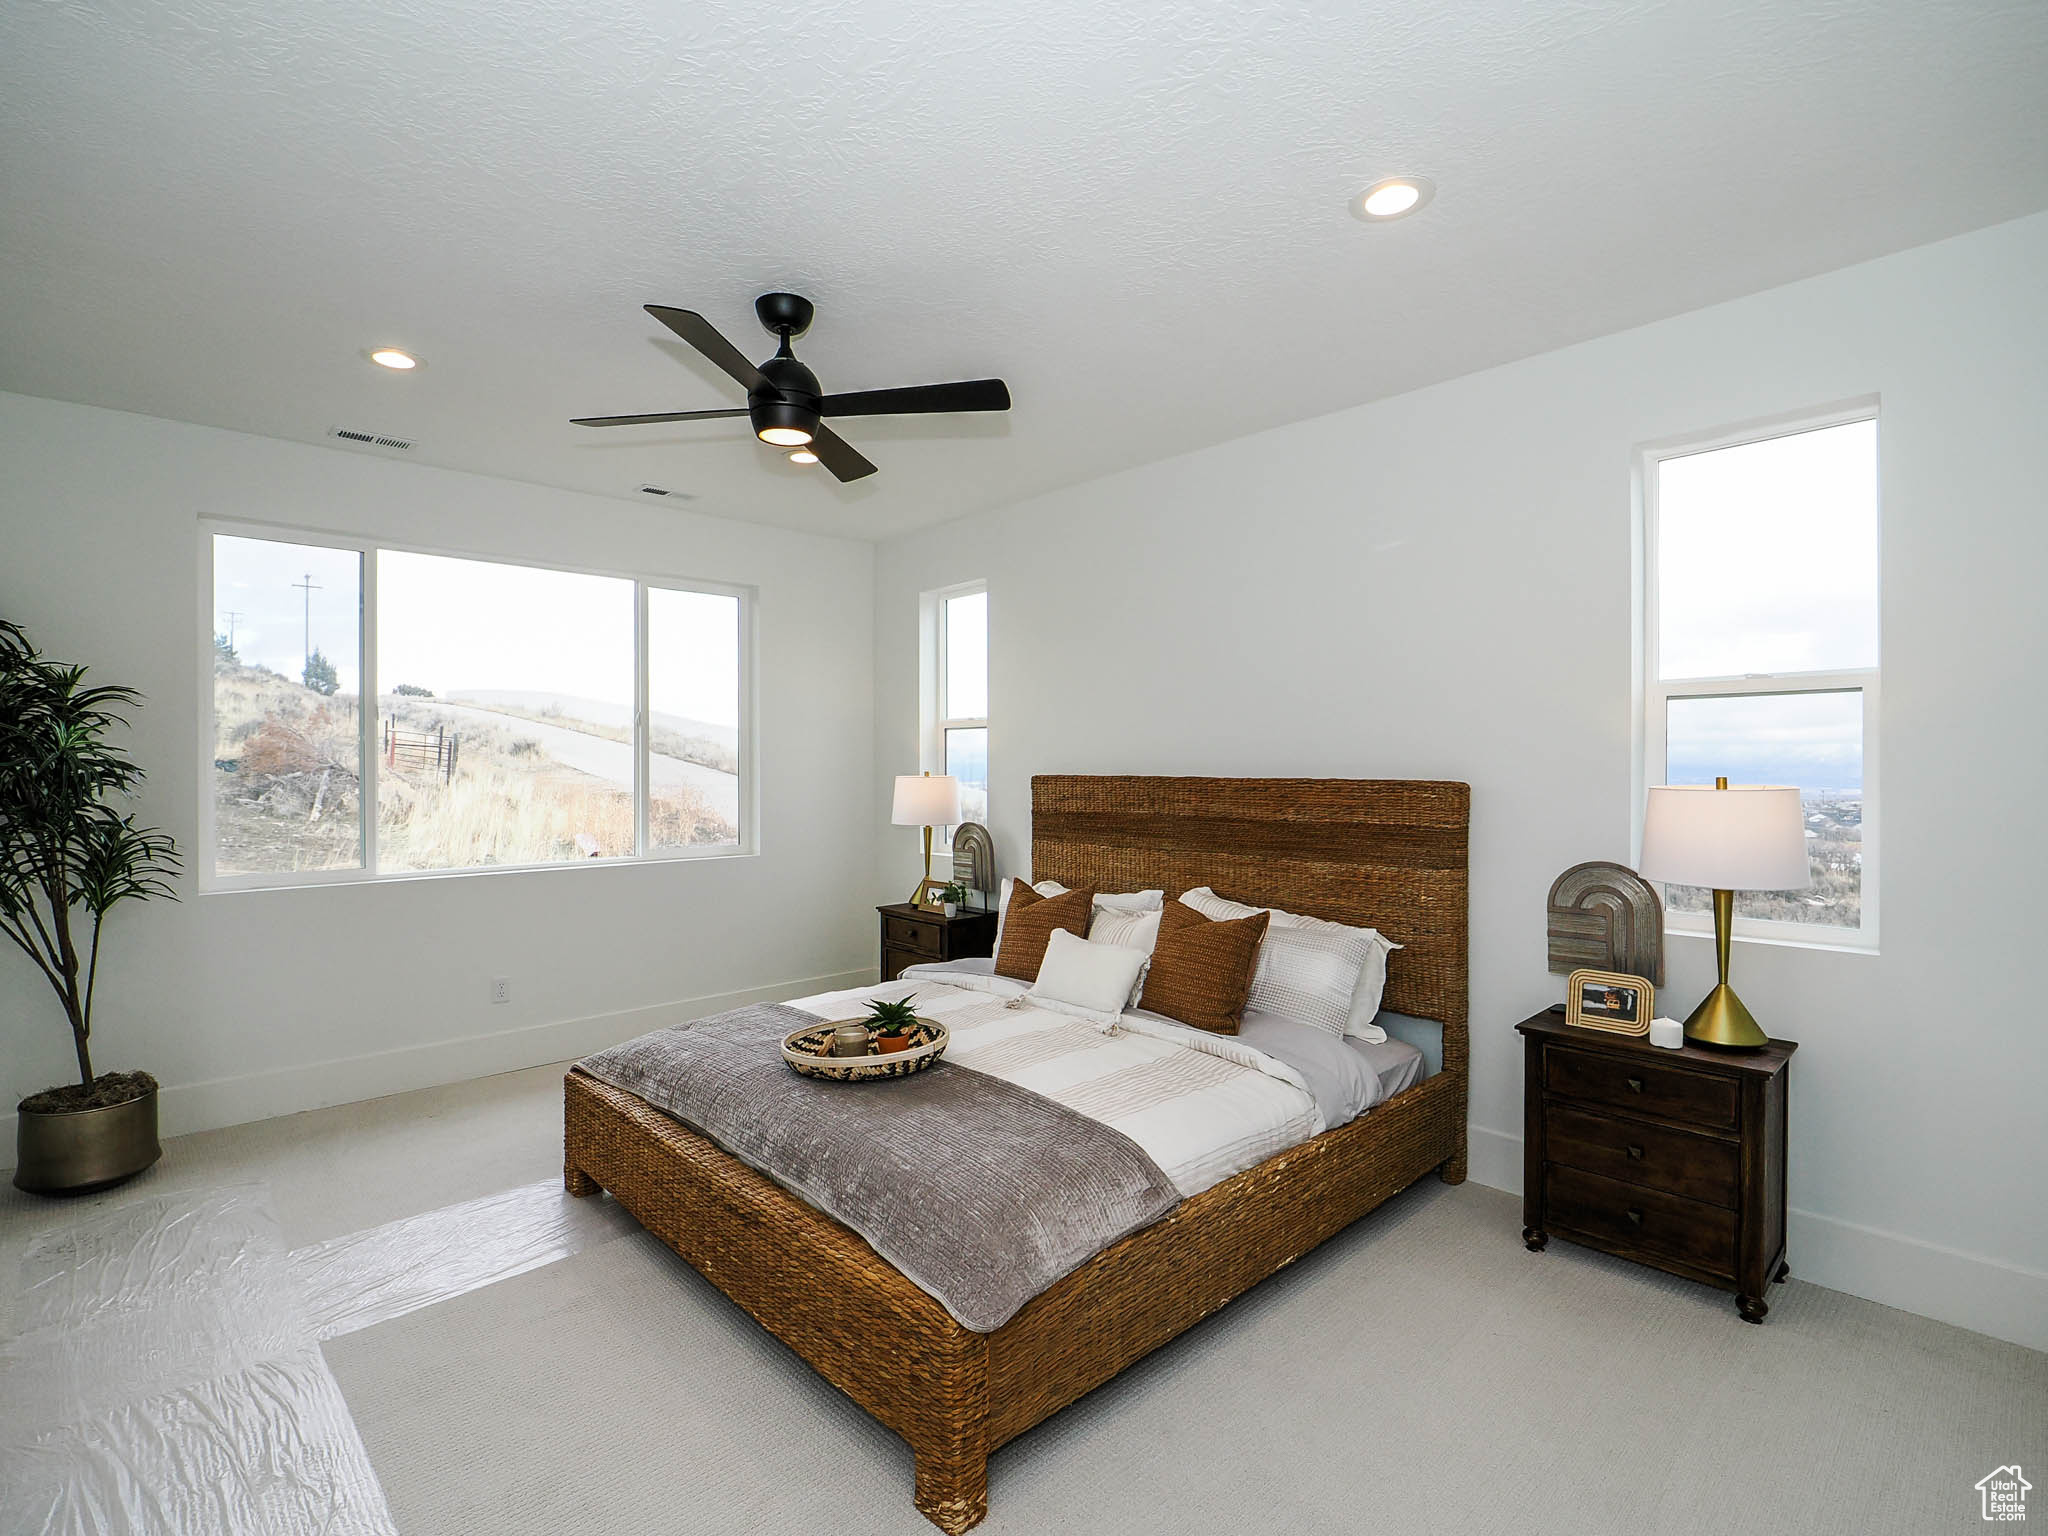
(76, 1152)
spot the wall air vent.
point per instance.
(371, 439)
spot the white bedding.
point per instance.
(1203, 1106)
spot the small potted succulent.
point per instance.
(952, 899)
(890, 1024)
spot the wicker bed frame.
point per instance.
(1385, 853)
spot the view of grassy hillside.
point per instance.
(458, 785)
(287, 780)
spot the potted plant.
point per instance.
(953, 898)
(67, 857)
(890, 1024)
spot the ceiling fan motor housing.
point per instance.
(792, 403)
(784, 314)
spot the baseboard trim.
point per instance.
(1970, 1290)
(1493, 1158)
(208, 1106)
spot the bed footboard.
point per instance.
(813, 1283)
(952, 1394)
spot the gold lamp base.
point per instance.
(1722, 1019)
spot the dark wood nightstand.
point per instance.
(913, 936)
(1675, 1159)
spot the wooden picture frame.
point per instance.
(927, 898)
(1611, 1001)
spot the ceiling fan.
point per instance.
(784, 401)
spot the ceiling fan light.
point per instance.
(803, 456)
(785, 437)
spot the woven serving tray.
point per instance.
(810, 1052)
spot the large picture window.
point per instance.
(521, 716)
(1761, 652)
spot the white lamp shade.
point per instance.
(926, 800)
(1747, 837)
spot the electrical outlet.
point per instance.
(501, 989)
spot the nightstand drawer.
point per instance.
(1627, 1217)
(1697, 1098)
(902, 933)
(1682, 1162)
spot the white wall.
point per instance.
(1439, 586)
(255, 1003)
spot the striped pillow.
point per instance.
(1322, 973)
(1127, 930)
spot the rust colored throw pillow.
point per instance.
(1028, 924)
(1202, 968)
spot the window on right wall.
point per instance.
(1761, 653)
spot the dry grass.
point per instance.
(286, 791)
(509, 804)
(490, 814)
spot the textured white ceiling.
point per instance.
(1136, 213)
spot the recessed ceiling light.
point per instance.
(1391, 198)
(391, 357)
(803, 456)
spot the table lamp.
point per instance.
(926, 800)
(1751, 837)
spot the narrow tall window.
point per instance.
(1761, 647)
(962, 711)
(287, 790)
(488, 714)
(693, 721)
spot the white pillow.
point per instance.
(1132, 930)
(1105, 901)
(1327, 974)
(1111, 901)
(1094, 977)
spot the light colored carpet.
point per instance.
(1421, 1373)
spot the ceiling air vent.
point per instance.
(371, 439)
(662, 490)
(655, 490)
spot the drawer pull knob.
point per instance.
(1635, 1085)
(1635, 1218)
(1635, 1154)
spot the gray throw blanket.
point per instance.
(981, 1192)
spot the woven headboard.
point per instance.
(1376, 853)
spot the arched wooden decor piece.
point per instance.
(974, 860)
(1606, 917)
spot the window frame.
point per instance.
(366, 547)
(932, 750)
(1656, 693)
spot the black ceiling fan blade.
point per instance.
(921, 399)
(838, 455)
(638, 421)
(703, 335)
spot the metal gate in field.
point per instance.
(426, 751)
